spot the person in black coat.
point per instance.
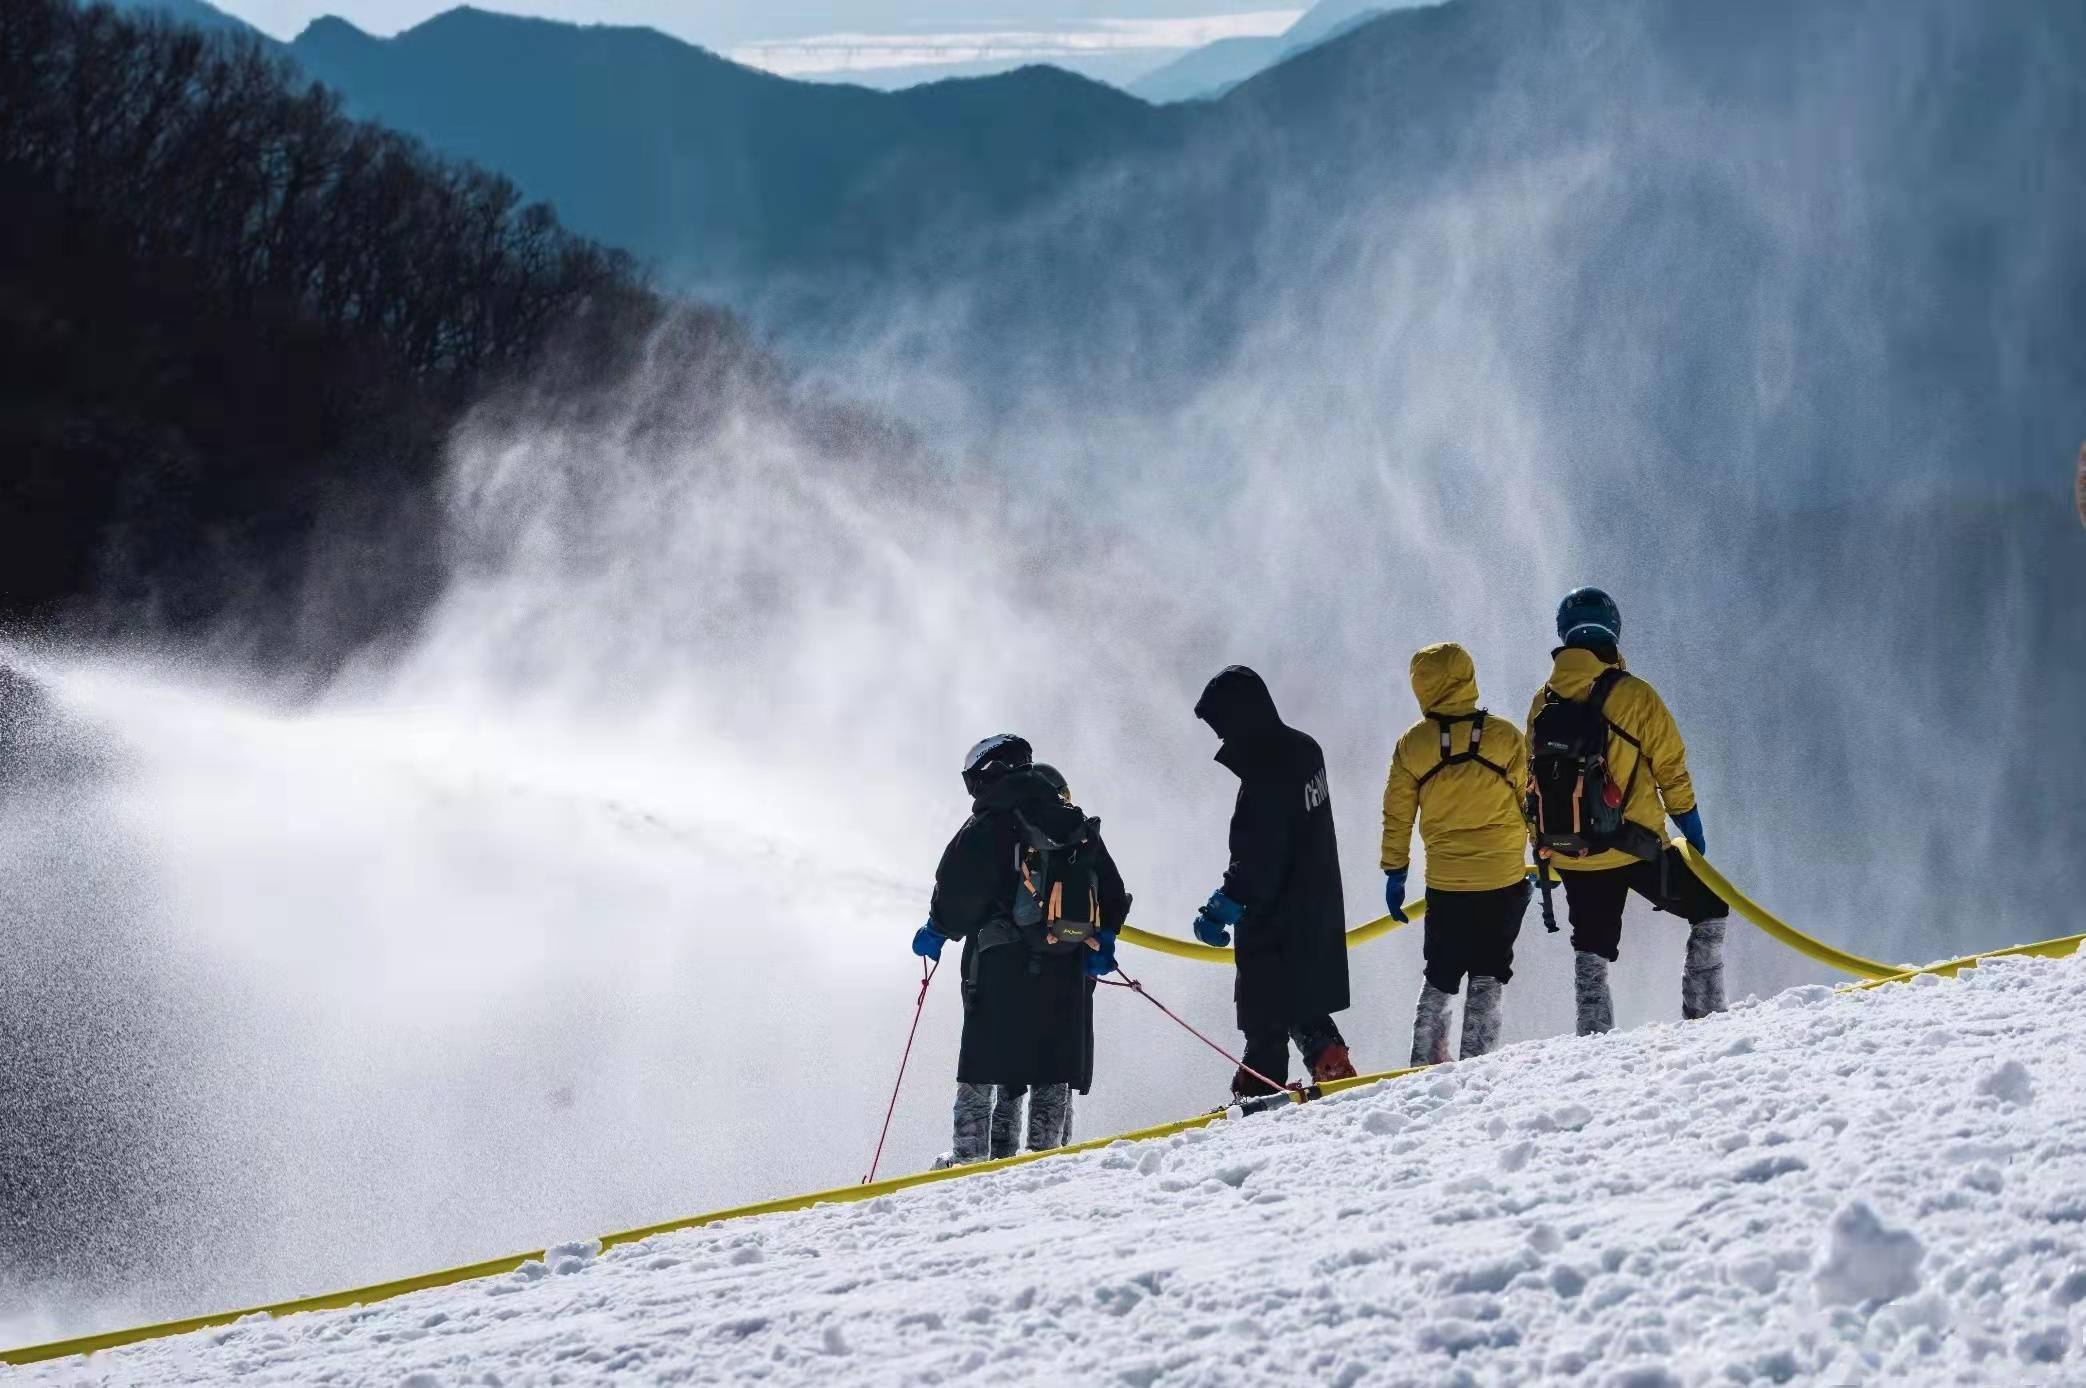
(1028, 1013)
(1281, 893)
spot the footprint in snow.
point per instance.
(1766, 1168)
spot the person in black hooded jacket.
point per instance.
(1281, 892)
(1028, 1012)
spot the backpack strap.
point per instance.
(1602, 688)
(1031, 851)
(1597, 699)
(1471, 753)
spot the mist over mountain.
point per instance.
(1907, 160)
(1770, 320)
(1812, 246)
(1773, 314)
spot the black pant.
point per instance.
(1472, 933)
(1268, 1051)
(1596, 899)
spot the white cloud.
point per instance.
(855, 52)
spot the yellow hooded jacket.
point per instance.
(1470, 816)
(1656, 778)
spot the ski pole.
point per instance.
(927, 973)
(1138, 988)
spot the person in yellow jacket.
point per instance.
(1460, 772)
(1604, 833)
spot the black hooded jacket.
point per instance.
(1285, 859)
(1028, 1017)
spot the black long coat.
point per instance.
(1028, 1018)
(1285, 860)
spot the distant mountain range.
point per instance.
(714, 171)
(1215, 68)
(1201, 72)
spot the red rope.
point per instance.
(1138, 988)
(919, 1005)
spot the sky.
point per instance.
(727, 24)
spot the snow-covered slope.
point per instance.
(1887, 1186)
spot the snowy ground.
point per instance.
(1886, 1186)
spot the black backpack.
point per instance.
(1573, 802)
(1447, 721)
(1057, 894)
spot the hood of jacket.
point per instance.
(1445, 679)
(1037, 799)
(1237, 705)
(1573, 671)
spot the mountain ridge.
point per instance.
(704, 166)
(1215, 68)
(199, 13)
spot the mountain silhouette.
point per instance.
(712, 170)
(1215, 68)
(195, 12)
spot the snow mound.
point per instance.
(1846, 1188)
(2009, 1084)
(1867, 1262)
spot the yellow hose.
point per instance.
(1210, 954)
(1949, 968)
(1870, 971)
(494, 1267)
(1780, 929)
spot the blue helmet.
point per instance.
(1588, 607)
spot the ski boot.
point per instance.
(1430, 1026)
(1332, 1063)
(1481, 1020)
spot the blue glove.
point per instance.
(1100, 962)
(1218, 917)
(1691, 830)
(928, 942)
(1394, 892)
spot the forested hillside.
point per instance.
(235, 327)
